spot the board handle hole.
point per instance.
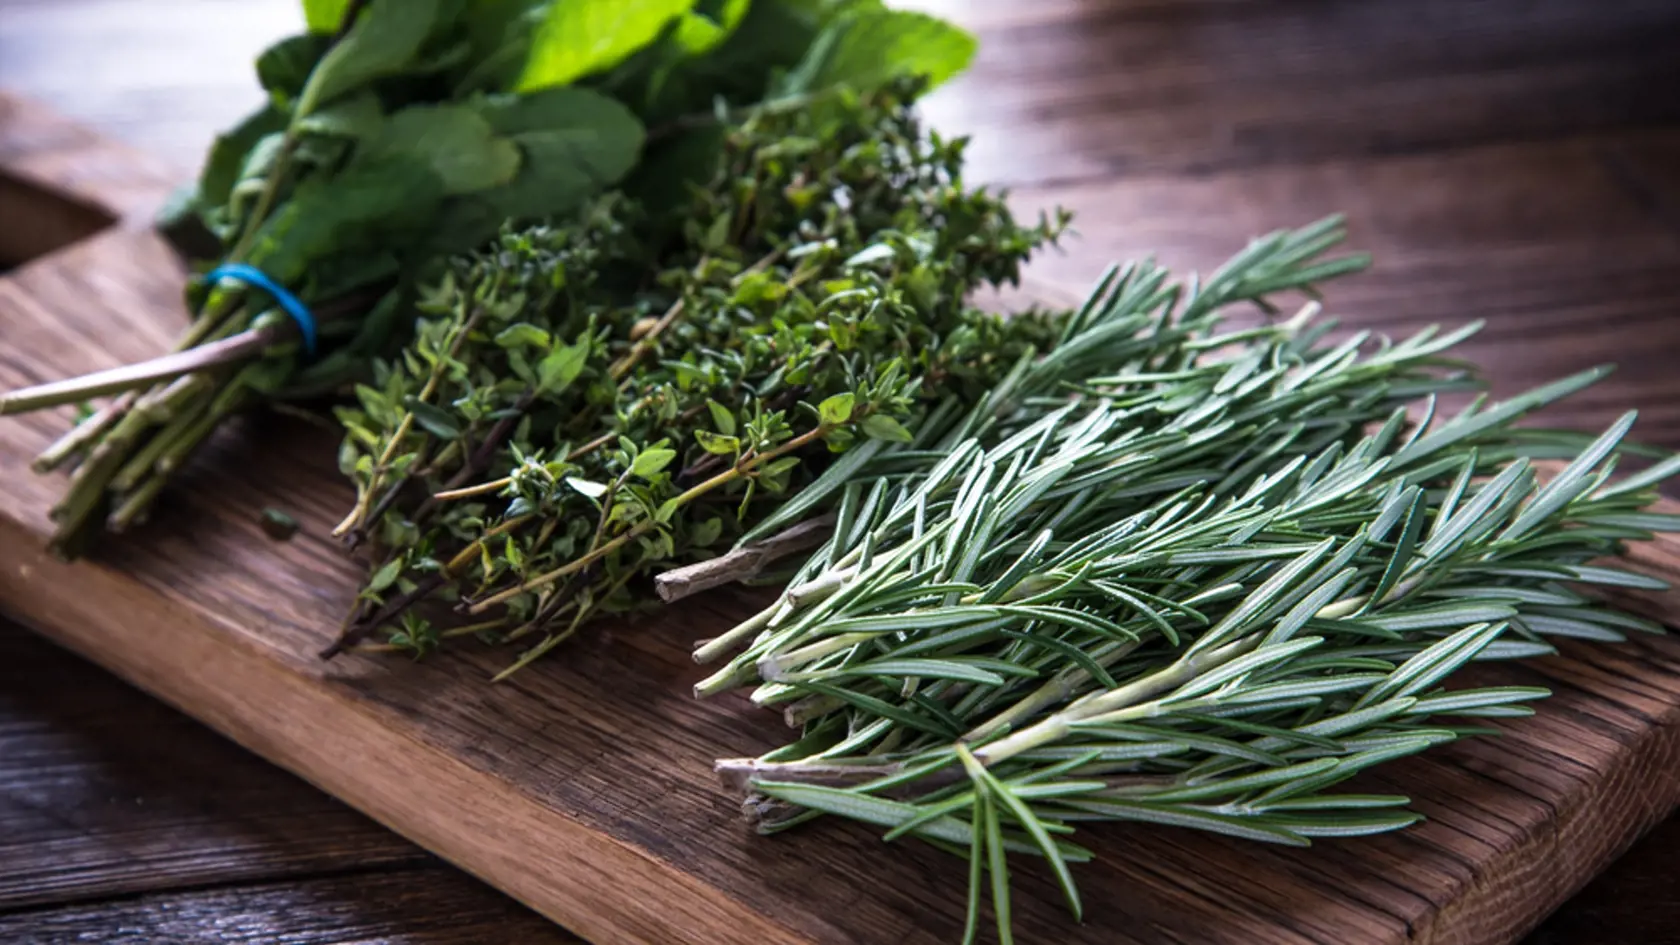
(39, 221)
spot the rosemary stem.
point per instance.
(1057, 689)
(1057, 726)
(808, 593)
(775, 668)
(730, 676)
(716, 647)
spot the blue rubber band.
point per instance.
(291, 304)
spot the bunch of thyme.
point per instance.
(588, 402)
(1225, 575)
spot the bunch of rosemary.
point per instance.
(587, 402)
(397, 133)
(1200, 587)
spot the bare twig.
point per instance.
(742, 563)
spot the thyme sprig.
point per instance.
(589, 402)
(1226, 576)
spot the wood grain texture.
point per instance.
(1508, 160)
(416, 907)
(106, 793)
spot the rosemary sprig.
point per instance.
(1202, 593)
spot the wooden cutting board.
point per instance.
(583, 787)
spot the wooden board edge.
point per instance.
(1621, 811)
(68, 158)
(589, 883)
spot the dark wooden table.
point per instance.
(123, 821)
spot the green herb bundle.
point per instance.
(397, 133)
(1225, 576)
(586, 403)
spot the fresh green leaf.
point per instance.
(652, 462)
(385, 40)
(369, 207)
(722, 419)
(706, 532)
(181, 221)
(714, 443)
(385, 576)
(456, 141)
(560, 367)
(324, 16)
(583, 37)
(230, 151)
(523, 334)
(837, 409)
(593, 144)
(869, 44)
(283, 68)
(874, 253)
(593, 490)
(879, 426)
(699, 31)
(357, 116)
(436, 420)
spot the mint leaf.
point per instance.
(357, 116)
(579, 143)
(181, 221)
(385, 40)
(869, 45)
(228, 153)
(370, 207)
(455, 140)
(583, 37)
(283, 68)
(323, 16)
(498, 35)
(701, 30)
(573, 139)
